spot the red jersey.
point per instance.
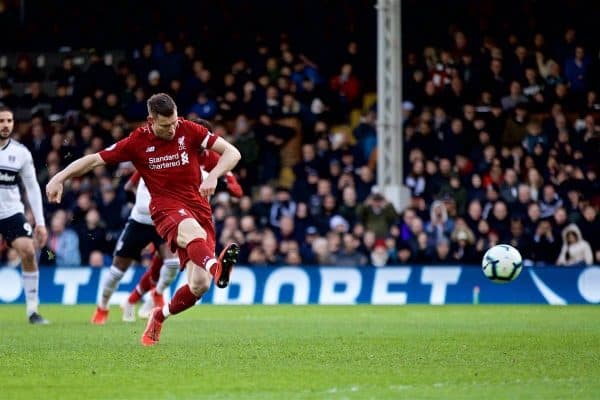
(170, 168)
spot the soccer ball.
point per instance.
(502, 263)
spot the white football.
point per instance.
(502, 263)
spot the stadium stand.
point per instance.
(501, 140)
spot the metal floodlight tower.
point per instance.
(389, 103)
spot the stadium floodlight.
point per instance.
(389, 104)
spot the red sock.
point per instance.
(199, 252)
(134, 296)
(146, 282)
(155, 266)
(183, 299)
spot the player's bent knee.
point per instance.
(188, 230)
(26, 251)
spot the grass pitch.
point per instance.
(307, 352)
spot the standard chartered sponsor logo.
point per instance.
(162, 162)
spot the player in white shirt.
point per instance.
(138, 233)
(16, 165)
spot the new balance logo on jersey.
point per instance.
(150, 149)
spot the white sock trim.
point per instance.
(165, 311)
(210, 263)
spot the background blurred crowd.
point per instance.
(501, 142)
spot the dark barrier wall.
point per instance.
(336, 285)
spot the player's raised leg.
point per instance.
(198, 256)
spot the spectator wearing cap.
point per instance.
(379, 255)
(377, 214)
(338, 224)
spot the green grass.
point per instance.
(307, 352)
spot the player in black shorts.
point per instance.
(16, 165)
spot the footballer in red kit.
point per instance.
(171, 170)
(166, 153)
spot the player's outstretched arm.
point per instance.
(54, 188)
(228, 160)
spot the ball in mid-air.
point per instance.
(502, 263)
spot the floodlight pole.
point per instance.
(389, 103)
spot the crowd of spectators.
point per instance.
(501, 146)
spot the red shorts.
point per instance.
(167, 222)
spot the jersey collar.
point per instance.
(6, 145)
